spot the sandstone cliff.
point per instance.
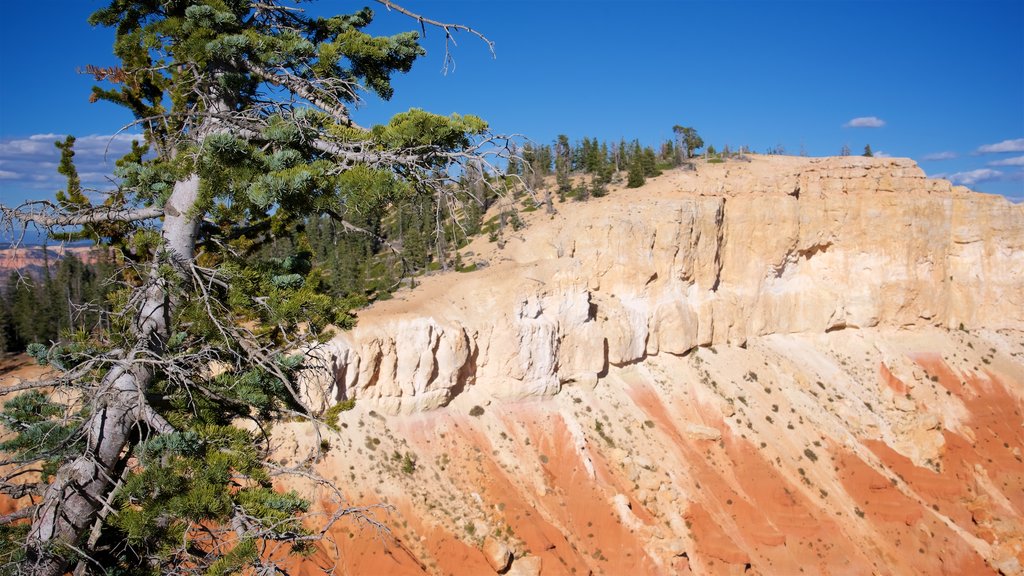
(781, 365)
(740, 250)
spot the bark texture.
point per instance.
(119, 412)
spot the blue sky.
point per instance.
(940, 82)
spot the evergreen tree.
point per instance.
(867, 151)
(20, 294)
(576, 155)
(667, 152)
(636, 178)
(540, 169)
(515, 163)
(245, 111)
(563, 165)
(649, 162)
(7, 335)
(592, 158)
(688, 141)
(602, 173)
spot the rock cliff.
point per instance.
(737, 251)
(773, 366)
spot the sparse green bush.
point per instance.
(408, 463)
(332, 414)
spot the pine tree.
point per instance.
(602, 173)
(687, 141)
(245, 112)
(867, 151)
(514, 167)
(563, 164)
(650, 163)
(20, 306)
(540, 169)
(26, 304)
(6, 325)
(636, 178)
(667, 152)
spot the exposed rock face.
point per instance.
(766, 367)
(775, 246)
(498, 554)
(34, 259)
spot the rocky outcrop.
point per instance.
(879, 450)
(769, 367)
(737, 251)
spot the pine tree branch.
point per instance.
(26, 385)
(351, 153)
(48, 215)
(311, 91)
(14, 490)
(350, 227)
(21, 514)
(157, 422)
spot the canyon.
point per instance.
(774, 366)
(33, 260)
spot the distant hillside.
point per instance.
(31, 260)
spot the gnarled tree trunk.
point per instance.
(119, 410)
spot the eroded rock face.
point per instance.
(857, 451)
(766, 367)
(738, 251)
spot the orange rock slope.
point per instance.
(775, 367)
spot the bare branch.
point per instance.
(26, 385)
(448, 28)
(48, 215)
(316, 92)
(350, 227)
(23, 513)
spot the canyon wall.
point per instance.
(737, 251)
(780, 366)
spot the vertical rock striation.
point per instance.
(742, 250)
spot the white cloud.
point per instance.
(939, 156)
(28, 164)
(882, 154)
(24, 147)
(46, 137)
(865, 122)
(1004, 146)
(972, 177)
(94, 176)
(1015, 161)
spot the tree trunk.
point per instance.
(81, 487)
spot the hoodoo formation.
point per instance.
(787, 365)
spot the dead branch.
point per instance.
(448, 28)
(321, 96)
(49, 215)
(21, 514)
